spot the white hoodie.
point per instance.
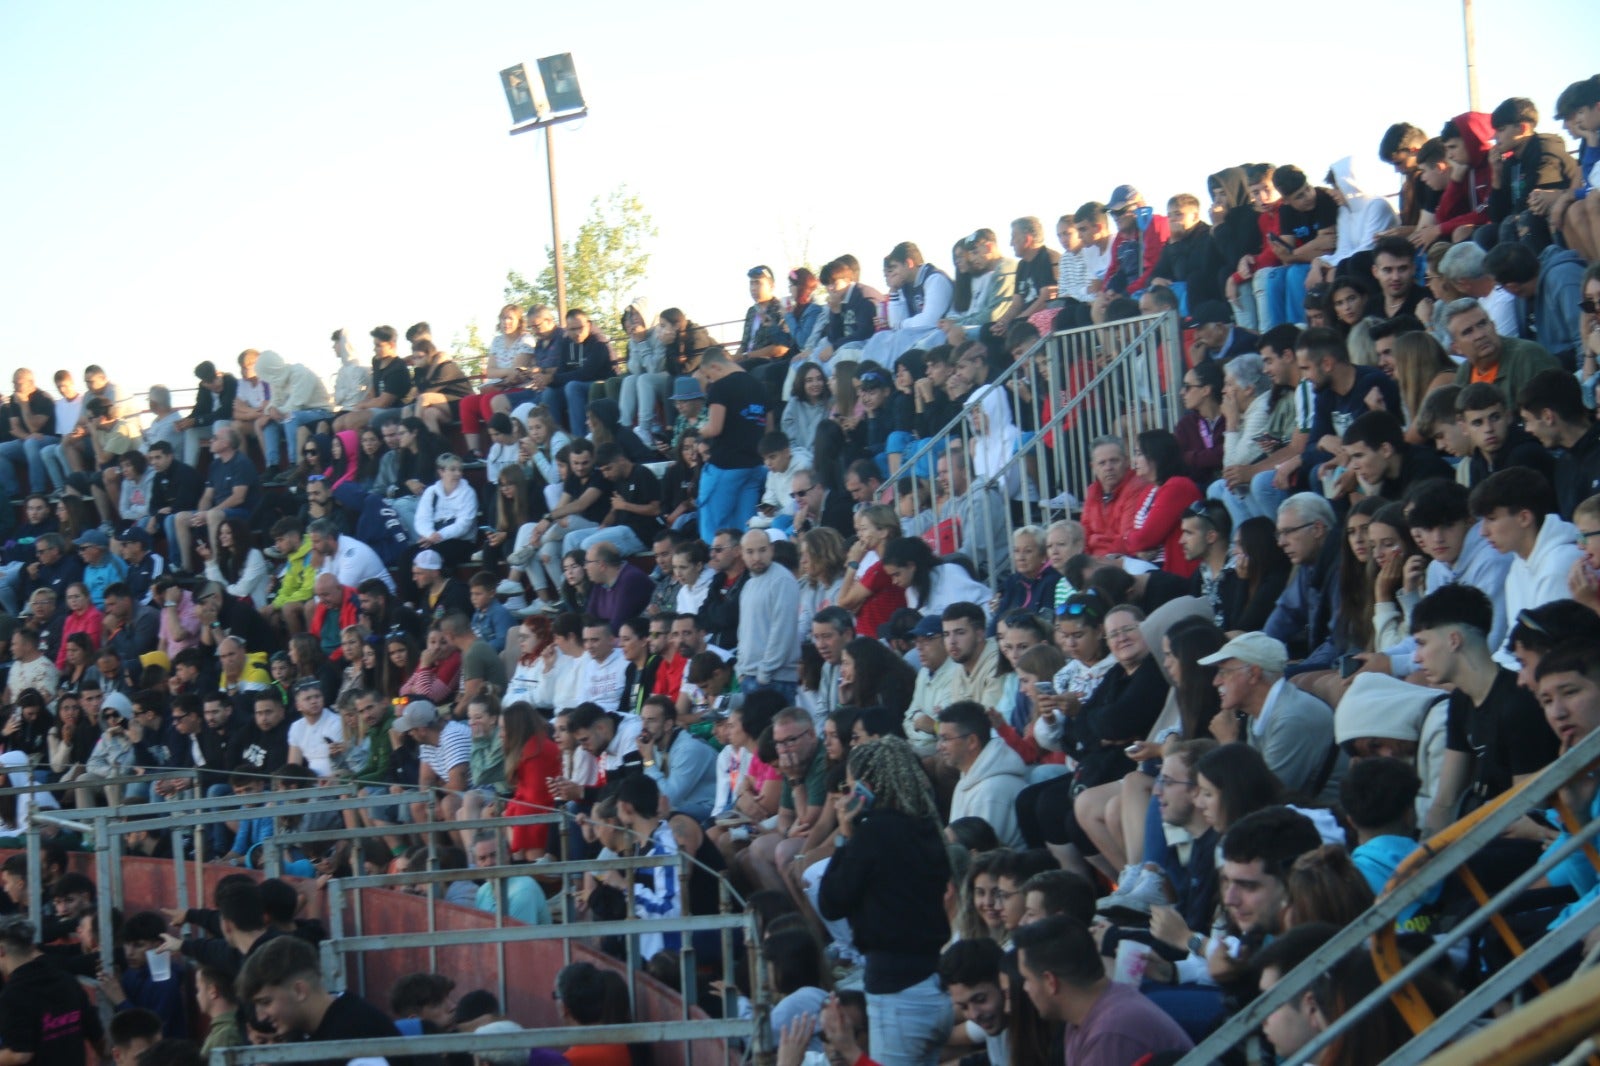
(989, 788)
(294, 387)
(1541, 577)
(1362, 217)
(355, 375)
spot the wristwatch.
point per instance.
(1197, 944)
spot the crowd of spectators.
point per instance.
(1083, 793)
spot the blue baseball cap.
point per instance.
(1121, 197)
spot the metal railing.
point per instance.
(1027, 435)
(106, 827)
(1415, 881)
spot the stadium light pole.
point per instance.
(1472, 55)
(542, 97)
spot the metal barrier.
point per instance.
(107, 826)
(1026, 436)
(1471, 834)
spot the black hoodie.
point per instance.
(1194, 260)
(1239, 232)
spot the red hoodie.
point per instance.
(1154, 238)
(1466, 203)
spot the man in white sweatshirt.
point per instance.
(919, 297)
(991, 773)
(1517, 509)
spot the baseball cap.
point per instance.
(873, 379)
(1121, 197)
(1256, 649)
(135, 534)
(94, 537)
(417, 713)
(930, 626)
(759, 272)
(428, 559)
(1210, 312)
(307, 683)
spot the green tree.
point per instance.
(471, 354)
(605, 263)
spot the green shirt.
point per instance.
(488, 765)
(816, 782)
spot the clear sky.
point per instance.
(184, 181)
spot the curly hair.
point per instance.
(892, 770)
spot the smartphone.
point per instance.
(861, 799)
(1349, 665)
(1044, 688)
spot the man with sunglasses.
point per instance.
(1140, 240)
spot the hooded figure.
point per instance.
(345, 470)
(646, 384)
(1238, 233)
(606, 412)
(1387, 708)
(1465, 201)
(646, 355)
(989, 788)
(294, 388)
(1362, 216)
(350, 384)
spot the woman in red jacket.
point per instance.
(532, 759)
(82, 617)
(1158, 518)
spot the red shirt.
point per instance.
(669, 677)
(540, 761)
(886, 598)
(1106, 522)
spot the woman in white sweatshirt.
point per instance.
(236, 562)
(447, 514)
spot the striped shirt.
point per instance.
(453, 749)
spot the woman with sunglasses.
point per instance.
(1201, 432)
(1158, 515)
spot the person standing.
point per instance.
(769, 642)
(733, 477)
(887, 877)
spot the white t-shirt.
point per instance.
(603, 683)
(312, 740)
(354, 562)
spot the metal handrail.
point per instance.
(1135, 364)
(1483, 826)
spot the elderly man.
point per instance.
(991, 774)
(1305, 618)
(981, 509)
(1292, 729)
(803, 763)
(769, 641)
(233, 489)
(1108, 507)
(621, 591)
(349, 560)
(1465, 267)
(816, 506)
(334, 606)
(1492, 354)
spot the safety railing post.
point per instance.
(35, 880)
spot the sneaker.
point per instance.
(475, 557)
(1132, 907)
(473, 464)
(530, 611)
(551, 606)
(1131, 875)
(508, 588)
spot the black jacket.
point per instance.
(1194, 260)
(853, 321)
(888, 880)
(719, 614)
(1577, 474)
(1239, 232)
(586, 360)
(178, 488)
(212, 407)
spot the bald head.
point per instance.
(327, 590)
(756, 548)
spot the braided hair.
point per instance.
(892, 770)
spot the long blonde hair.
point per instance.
(1418, 359)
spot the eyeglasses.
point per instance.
(1284, 534)
(1125, 631)
(1583, 537)
(1225, 670)
(1163, 781)
(795, 495)
(1589, 307)
(315, 477)
(787, 742)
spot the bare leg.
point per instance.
(181, 524)
(1090, 809)
(1136, 792)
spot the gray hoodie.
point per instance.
(645, 354)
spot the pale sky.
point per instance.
(188, 180)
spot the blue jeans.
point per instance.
(908, 1028)
(622, 538)
(576, 394)
(1239, 507)
(748, 684)
(307, 419)
(32, 451)
(1286, 294)
(1264, 496)
(272, 443)
(728, 497)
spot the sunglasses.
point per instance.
(1589, 307)
(315, 477)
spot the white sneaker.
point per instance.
(508, 588)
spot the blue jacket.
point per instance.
(493, 624)
(1308, 614)
(854, 321)
(1555, 306)
(1334, 413)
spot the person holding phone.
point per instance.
(887, 878)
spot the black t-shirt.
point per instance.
(641, 487)
(575, 487)
(1506, 734)
(744, 420)
(39, 405)
(1036, 274)
(1304, 225)
(393, 378)
(260, 751)
(350, 1017)
(44, 1011)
